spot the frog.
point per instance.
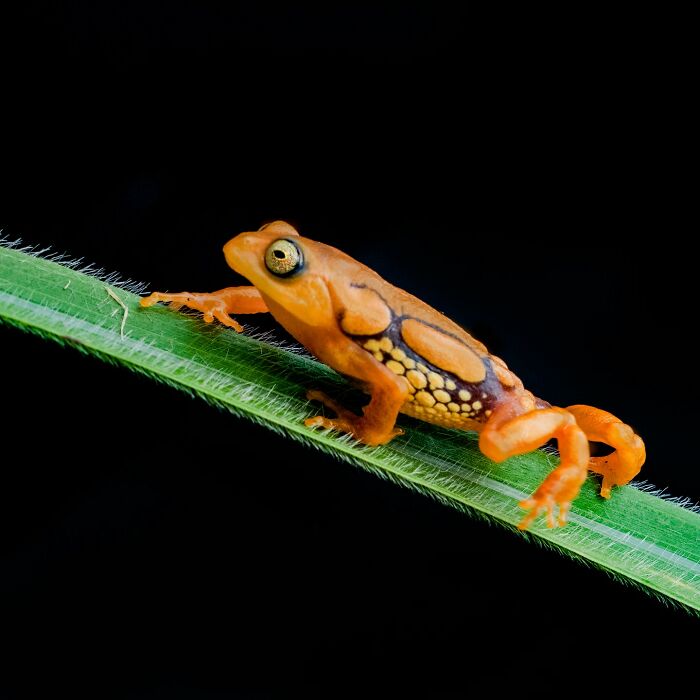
(411, 359)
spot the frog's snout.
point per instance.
(233, 250)
(244, 251)
(236, 246)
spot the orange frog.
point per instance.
(410, 359)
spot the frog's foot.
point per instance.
(613, 472)
(215, 305)
(347, 422)
(506, 435)
(211, 305)
(625, 462)
(558, 489)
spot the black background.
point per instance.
(526, 174)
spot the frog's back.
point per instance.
(451, 377)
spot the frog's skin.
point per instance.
(410, 359)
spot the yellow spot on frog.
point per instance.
(398, 354)
(465, 395)
(378, 356)
(476, 405)
(441, 407)
(409, 387)
(450, 385)
(385, 344)
(372, 345)
(408, 363)
(466, 407)
(454, 407)
(396, 367)
(417, 379)
(425, 398)
(436, 381)
(442, 396)
(422, 368)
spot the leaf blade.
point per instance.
(637, 536)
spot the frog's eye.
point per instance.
(283, 258)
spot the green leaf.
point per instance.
(637, 535)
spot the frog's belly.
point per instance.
(440, 414)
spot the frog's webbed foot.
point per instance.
(558, 489)
(347, 422)
(506, 435)
(210, 305)
(214, 305)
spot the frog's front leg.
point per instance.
(215, 305)
(377, 424)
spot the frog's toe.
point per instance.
(152, 299)
(535, 506)
(544, 503)
(222, 316)
(340, 424)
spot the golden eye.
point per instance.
(283, 258)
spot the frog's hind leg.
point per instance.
(625, 462)
(511, 432)
(215, 305)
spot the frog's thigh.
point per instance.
(629, 455)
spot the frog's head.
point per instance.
(285, 268)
